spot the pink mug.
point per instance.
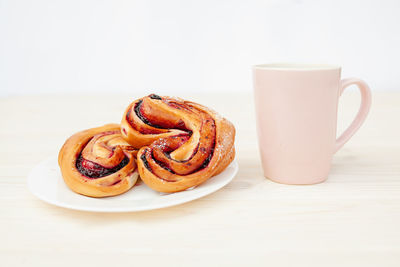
(296, 110)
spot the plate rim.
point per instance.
(170, 203)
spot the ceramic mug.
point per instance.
(296, 110)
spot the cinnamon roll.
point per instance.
(182, 143)
(98, 162)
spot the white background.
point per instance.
(173, 46)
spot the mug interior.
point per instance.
(296, 66)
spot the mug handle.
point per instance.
(362, 112)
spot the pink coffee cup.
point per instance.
(296, 110)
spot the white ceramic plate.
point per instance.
(45, 182)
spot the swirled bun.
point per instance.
(182, 143)
(98, 162)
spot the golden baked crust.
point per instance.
(182, 143)
(98, 162)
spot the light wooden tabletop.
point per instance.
(353, 219)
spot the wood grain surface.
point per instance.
(353, 219)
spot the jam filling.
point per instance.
(154, 96)
(145, 162)
(93, 170)
(208, 159)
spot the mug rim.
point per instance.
(294, 66)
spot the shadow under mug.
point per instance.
(296, 110)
